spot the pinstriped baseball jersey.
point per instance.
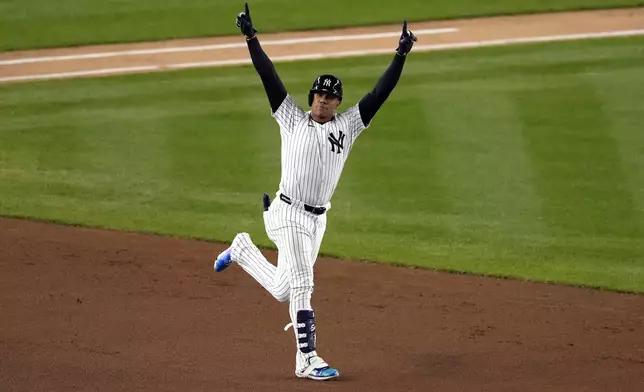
(313, 154)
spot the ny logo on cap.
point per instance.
(327, 82)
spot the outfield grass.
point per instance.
(46, 23)
(523, 162)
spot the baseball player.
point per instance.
(315, 146)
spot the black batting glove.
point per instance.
(245, 24)
(407, 39)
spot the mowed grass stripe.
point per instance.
(623, 113)
(586, 199)
(494, 215)
(486, 171)
(578, 168)
(189, 153)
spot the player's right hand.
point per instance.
(406, 42)
(245, 24)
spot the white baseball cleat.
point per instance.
(318, 370)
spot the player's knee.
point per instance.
(282, 296)
(302, 291)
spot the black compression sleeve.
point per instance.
(274, 87)
(372, 102)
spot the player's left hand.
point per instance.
(406, 42)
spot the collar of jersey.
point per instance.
(312, 120)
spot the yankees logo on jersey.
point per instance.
(310, 169)
(337, 142)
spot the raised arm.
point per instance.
(275, 90)
(371, 103)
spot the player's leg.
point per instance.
(245, 253)
(305, 251)
(296, 247)
(274, 223)
(291, 231)
(299, 241)
(316, 368)
(320, 229)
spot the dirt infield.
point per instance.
(102, 60)
(88, 310)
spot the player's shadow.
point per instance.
(288, 379)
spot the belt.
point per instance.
(311, 209)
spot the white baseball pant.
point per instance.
(297, 235)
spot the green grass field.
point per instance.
(45, 23)
(516, 161)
